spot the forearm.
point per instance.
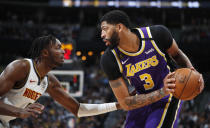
(9, 110)
(137, 101)
(68, 102)
(182, 60)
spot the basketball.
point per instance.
(187, 84)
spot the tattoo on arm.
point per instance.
(132, 101)
(137, 101)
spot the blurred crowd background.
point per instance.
(76, 26)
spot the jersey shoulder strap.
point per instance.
(145, 33)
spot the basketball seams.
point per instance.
(185, 83)
(194, 92)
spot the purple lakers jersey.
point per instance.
(145, 70)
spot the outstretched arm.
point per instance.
(78, 109)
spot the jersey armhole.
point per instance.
(153, 43)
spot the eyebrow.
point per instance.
(104, 26)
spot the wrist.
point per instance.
(162, 93)
(17, 112)
(118, 106)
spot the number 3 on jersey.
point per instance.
(148, 80)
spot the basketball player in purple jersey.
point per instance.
(143, 57)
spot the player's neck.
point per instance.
(42, 68)
(129, 42)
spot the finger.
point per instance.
(39, 105)
(170, 75)
(171, 80)
(35, 108)
(34, 115)
(201, 88)
(34, 111)
(192, 68)
(171, 86)
(201, 78)
(36, 105)
(170, 90)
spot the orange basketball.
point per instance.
(187, 84)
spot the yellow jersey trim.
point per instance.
(164, 112)
(142, 46)
(36, 70)
(118, 60)
(148, 32)
(155, 46)
(176, 113)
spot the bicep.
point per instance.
(5, 83)
(174, 50)
(13, 73)
(162, 37)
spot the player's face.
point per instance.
(109, 34)
(56, 54)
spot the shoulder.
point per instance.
(109, 65)
(162, 36)
(17, 70)
(52, 80)
(53, 83)
(155, 29)
(107, 54)
(19, 66)
(51, 77)
(108, 57)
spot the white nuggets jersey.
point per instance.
(29, 93)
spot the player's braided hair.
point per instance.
(39, 44)
(116, 17)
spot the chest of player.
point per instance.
(147, 60)
(34, 89)
(31, 91)
(144, 69)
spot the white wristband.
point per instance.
(95, 109)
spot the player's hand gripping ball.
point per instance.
(188, 83)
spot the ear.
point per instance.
(45, 53)
(120, 27)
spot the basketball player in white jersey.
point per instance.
(24, 81)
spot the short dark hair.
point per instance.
(115, 17)
(39, 44)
